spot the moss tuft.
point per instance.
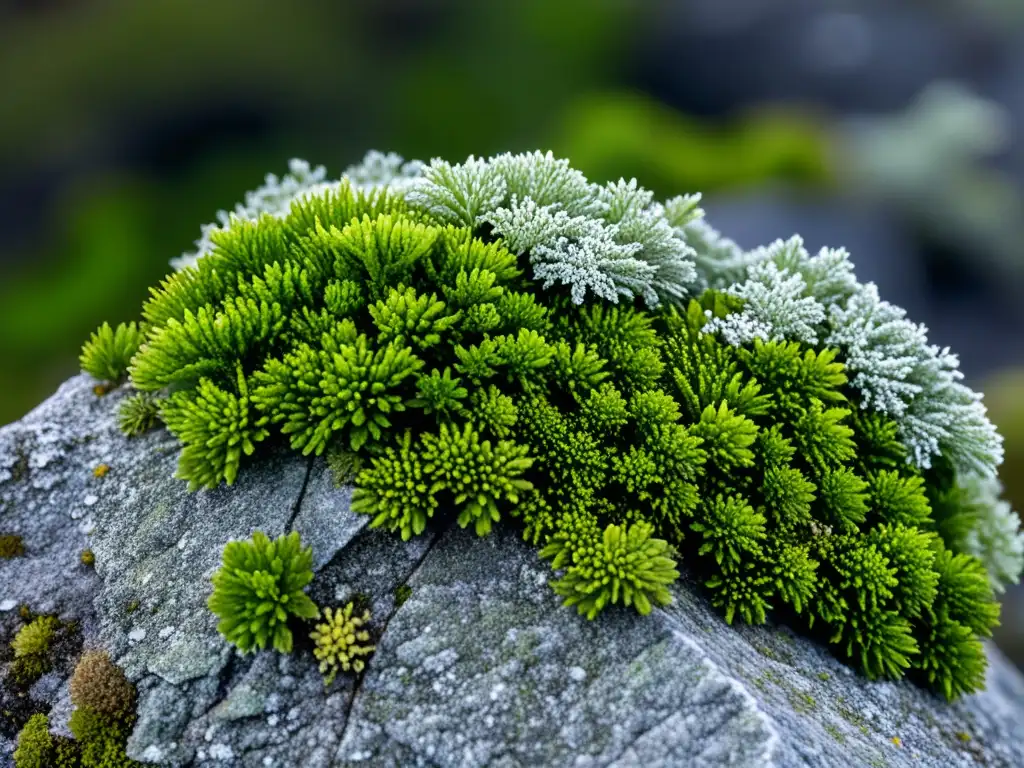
(100, 685)
(109, 351)
(31, 647)
(341, 642)
(35, 744)
(402, 593)
(258, 587)
(138, 414)
(11, 545)
(508, 342)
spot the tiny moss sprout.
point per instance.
(138, 414)
(109, 351)
(342, 641)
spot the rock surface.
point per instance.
(476, 665)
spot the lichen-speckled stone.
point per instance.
(476, 662)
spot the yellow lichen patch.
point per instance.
(896, 740)
(101, 470)
(341, 642)
(88, 558)
(963, 736)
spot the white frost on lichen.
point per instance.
(995, 538)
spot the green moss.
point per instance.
(20, 469)
(801, 702)
(509, 344)
(343, 465)
(852, 717)
(31, 646)
(259, 586)
(342, 641)
(107, 354)
(402, 593)
(100, 740)
(767, 677)
(35, 745)
(138, 414)
(823, 676)
(11, 545)
(835, 733)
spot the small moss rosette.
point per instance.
(259, 588)
(504, 342)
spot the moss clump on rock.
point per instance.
(100, 685)
(35, 744)
(507, 342)
(259, 587)
(342, 641)
(11, 545)
(32, 645)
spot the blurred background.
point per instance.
(892, 127)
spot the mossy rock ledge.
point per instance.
(474, 664)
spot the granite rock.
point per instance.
(476, 661)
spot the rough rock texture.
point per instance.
(476, 665)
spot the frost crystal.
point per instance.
(996, 538)
(718, 261)
(384, 170)
(458, 194)
(899, 373)
(776, 306)
(546, 180)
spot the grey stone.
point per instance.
(476, 661)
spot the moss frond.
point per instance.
(626, 566)
(138, 413)
(258, 587)
(109, 351)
